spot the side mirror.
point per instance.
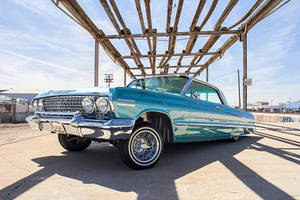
(196, 95)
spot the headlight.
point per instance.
(40, 104)
(88, 105)
(35, 105)
(102, 105)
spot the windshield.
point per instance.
(171, 84)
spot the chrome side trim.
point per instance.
(126, 100)
(126, 104)
(214, 124)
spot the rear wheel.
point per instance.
(142, 150)
(73, 143)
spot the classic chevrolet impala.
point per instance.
(140, 118)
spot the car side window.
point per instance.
(203, 92)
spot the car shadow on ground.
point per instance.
(101, 165)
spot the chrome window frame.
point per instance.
(223, 102)
(180, 75)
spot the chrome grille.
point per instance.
(64, 103)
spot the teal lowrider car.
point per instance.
(140, 118)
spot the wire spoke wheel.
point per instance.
(142, 150)
(145, 146)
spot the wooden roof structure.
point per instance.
(258, 11)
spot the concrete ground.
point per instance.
(264, 165)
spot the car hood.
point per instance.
(80, 91)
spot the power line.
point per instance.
(108, 79)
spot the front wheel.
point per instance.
(234, 138)
(73, 143)
(142, 150)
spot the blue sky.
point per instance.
(42, 49)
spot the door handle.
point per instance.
(218, 107)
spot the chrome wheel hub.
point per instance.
(145, 146)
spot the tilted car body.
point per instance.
(141, 117)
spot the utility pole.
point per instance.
(239, 88)
(244, 71)
(124, 78)
(96, 68)
(108, 79)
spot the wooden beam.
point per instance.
(140, 14)
(154, 42)
(172, 40)
(245, 70)
(257, 3)
(255, 18)
(139, 75)
(168, 54)
(197, 14)
(193, 38)
(169, 14)
(149, 22)
(124, 78)
(130, 43)
(161, 34)
(167, 66)
(96, 64)
(206, 74)
(141, 19)
(214, 38)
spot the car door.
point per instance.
(206, 117)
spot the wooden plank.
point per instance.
(257, 3)
(141, 19)
(154, 42)
(255, 18)
(140, 14)
(149, 22)
(149, 75)
(172, 40)
(225, 13)
(197, 14)
(192, 40)
(130, 43)
(169, 14)
(167, 66)
(161, 34)
(214, 38)
(168, 54)
(110, 15)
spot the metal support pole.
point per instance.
(244, 71)
(124, 77)
(239, 88)
(207, 74)
(96, 69)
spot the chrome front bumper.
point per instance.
(112, 129)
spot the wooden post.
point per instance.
(96, 69)
(244, 71)
(239, 88)
(207, 74)
(124, 78)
